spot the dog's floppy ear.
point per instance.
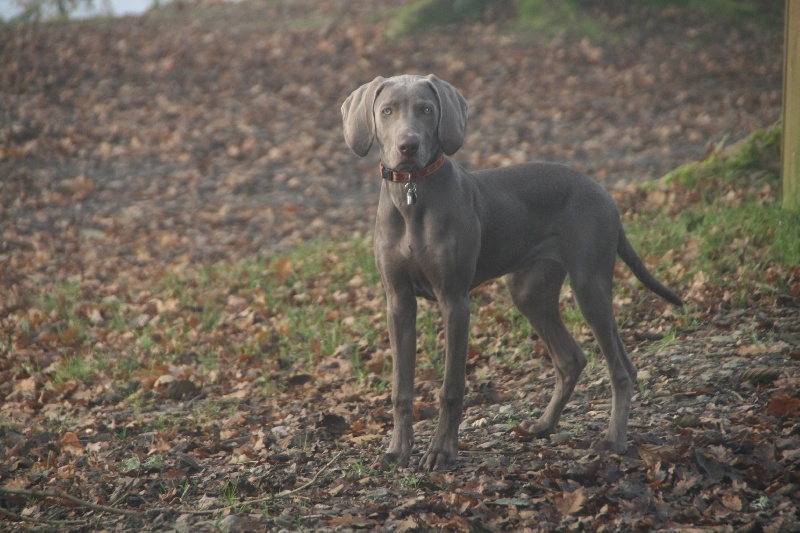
(452, 114)
(357, 114)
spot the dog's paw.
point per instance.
(537, 429)
(606, 446)
(438, 460)
(390, 461)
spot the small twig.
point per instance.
(301, 487)
(271, 497)
(124, 494)
(44, 521)
(311, 516)
(115, 510)
(65, 496)
(493, 452)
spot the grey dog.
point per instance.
(441, 231)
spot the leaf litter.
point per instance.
(175, 355)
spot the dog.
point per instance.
(441, 231)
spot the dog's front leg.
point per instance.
(441, 453)
(402, 318)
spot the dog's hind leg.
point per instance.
(594, 295)
(536, 291)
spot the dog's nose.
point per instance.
(409, 145)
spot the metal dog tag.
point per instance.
(411, 194)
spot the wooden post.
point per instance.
(790, 149)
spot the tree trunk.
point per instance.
(790, 152)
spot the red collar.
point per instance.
(392, 175)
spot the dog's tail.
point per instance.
(637, 266)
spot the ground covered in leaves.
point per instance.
(192, 332)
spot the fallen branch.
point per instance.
(272, 497)
(286, 493)
(44, 521)
(54, 494)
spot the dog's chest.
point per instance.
(427, 244)
(409, 258)
(422, 268)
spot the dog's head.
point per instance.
(413, 118)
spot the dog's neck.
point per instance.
(390, 174)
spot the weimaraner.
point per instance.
(441, 231)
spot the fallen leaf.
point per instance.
(349, 520)
(405, 526)
(759, 375)
(164, 380)
(283, 269)
(732, 502)
(333, 423)
(70, 443)
(710, 465)
(784, 405)
(519, 502)
(569, 503)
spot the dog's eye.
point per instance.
(387, 111)
(427, 110)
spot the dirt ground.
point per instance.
(139, 147)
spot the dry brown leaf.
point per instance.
(732, 502)
(349, 520)
(569, 503)
(71, 443)
(283, 269)
(784, 405)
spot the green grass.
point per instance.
(550, 17)
(359, 469)
(424, 14)
(739, 11)
(760, 151)
(62, 303)
(303, 292)
(731, 221)
(74, 368)
(542, 18)
(717, 224)
(749, 235)
(545, 18)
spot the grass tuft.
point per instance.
(550, 17)
(73, 368)
(722, 221)
(424, 14)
